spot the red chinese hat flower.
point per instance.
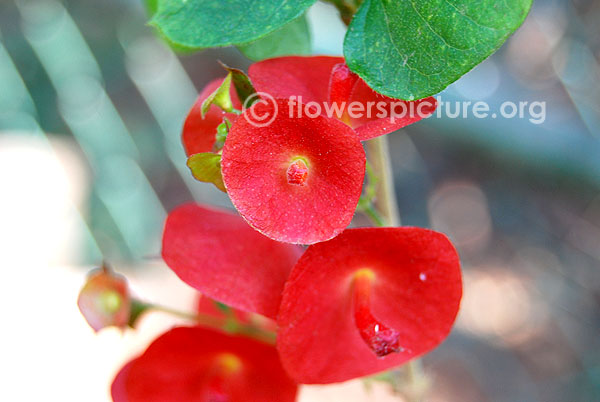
(324, 79)
(199, 134)
(304, 76)
(118, 390)
(217, 253)
(376, 114)
(297, 179)
(104, 300)
(197, 364)
(367, 301)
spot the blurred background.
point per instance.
(91, 108)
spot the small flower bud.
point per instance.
(104, 300)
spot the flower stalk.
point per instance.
(381, 166)
(227, 324)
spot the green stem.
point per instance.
(347, 8)
(375, 217)
(385, 197)
(227, 324)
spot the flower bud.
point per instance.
(104, 300)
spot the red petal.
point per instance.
(283, 77)
(341, 83)
(118, 391)
(190, 364)
(398, 113)
(416, 291)
(217, 253)
(199, 134)
(327, 79)
(256, 171)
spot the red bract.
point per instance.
(398, 113)
(197, 364)
(217, 253)
(283, 77)
(366, 301)
(118, 390)
(199, 134)
(297, 179)
(104, 300)
(324, 79)
(341, 84)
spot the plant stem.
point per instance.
(347, 9)
(226, 324)
(386, 210)
(385, 199)
(374, 215)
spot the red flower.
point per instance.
(199, 135)
(324, 79)
(366, 301)
(104, 300)
(118, 390)
(297, 179)
(196, 364)
(283, 77)
(217, 253)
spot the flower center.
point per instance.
(297, 173)
(228, 363)
(225, 365)
(110, 301)
(382, 339)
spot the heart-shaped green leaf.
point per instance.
(212, 23)
(411, 49)
(291, 39)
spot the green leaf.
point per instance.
(206, 167)
(151, 6)
(219, 97)
(241, 82)
(212, 23)
(411, 49)
(291, 39)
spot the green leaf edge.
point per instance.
(361, 73)
(220, 97)
(187, 48)
(300, 19)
